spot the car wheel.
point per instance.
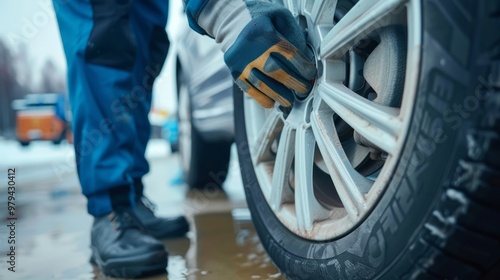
(174, 147)
(58, 140)
(389, 168)
(204, 164)
(24, 143)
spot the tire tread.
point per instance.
(463, 234)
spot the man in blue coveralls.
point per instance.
(115, 49)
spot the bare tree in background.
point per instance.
(9, 90)
(52, 79)
(16, 80)
(22, 66)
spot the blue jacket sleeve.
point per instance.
(193, 11)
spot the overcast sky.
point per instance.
(32, 22)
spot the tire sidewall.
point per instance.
(434, 144)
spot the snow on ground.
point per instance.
(40, 152)
(43, 160)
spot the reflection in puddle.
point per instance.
(220, 246)
(227, 249)
(53, 231)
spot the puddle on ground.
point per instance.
(220, 246)
(53, 235)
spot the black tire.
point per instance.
(174, 147)
(439, 217)
(24, 143)
(58, 140)
(61, 137)
(206, 165)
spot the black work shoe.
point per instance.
(159, 227)
(121, 249)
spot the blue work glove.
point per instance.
(265, 48)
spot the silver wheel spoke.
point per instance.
(307, 207)
(364, 17)
(280, 191)
(322, 11)
(320, 178)
(270, 130)
(302, 5)
(290, 4)
(349, 184)
(376, 123)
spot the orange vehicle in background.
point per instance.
(42, 117)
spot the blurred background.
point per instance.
(32, 61)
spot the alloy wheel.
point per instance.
(323, 164)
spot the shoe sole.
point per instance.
(132, 267)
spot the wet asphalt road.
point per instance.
(52, 230)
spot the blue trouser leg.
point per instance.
(149, 18)
(104, 46)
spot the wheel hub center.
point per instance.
(311, 54)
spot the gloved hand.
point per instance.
(265, 48)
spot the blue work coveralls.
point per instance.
(114, 49)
